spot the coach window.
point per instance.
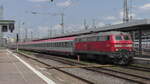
(47, 44)
(53, 44)
(107, 38)
(50, 44)
(61, 44)
(43, 44)
(57, 44)
(40, 44)
(69, 44)
(66, 44)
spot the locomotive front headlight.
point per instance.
(117, 49)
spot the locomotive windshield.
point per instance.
(122, 37)
(126, 37)
(118, 37)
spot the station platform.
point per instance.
(14, 70)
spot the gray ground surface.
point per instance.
(12, 71)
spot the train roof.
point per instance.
(50, 40)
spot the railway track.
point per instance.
(111, 72)
(147, 68)
(50, 66)
(138, 68)
(115, 73)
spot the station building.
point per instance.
(5, 26)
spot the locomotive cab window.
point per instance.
(126, 37)
(118, 38)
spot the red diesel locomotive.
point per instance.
(115, 47)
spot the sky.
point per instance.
(47, 17)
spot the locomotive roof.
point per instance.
(104, 34)
(111, 32)
(50, 40)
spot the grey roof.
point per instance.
(2, 22)
(131, 25)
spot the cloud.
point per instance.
(38, 0)
(145, 7)
(110, 18)
(117, 22)
(100, 24)
(133, 15)
(41, 32)
(65, 4)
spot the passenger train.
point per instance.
(113, 47)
